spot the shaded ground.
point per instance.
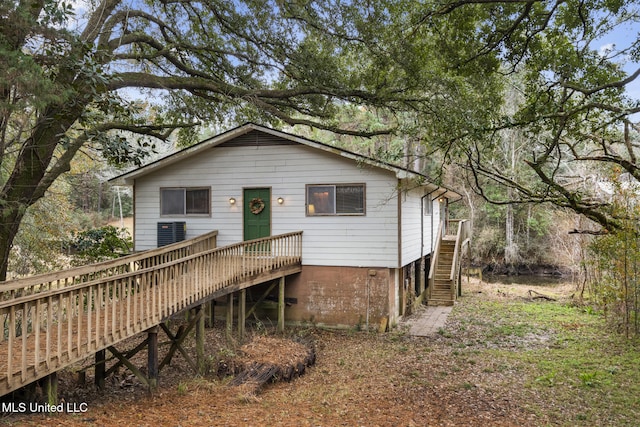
(480, 370)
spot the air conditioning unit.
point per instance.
(171, 232)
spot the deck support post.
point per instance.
(51, 388)
(261, 299)
(229, 328)
(420, 275)
(200, 360)
(209, 313)
(242, 301)
(281, 304)
(100, 369)
(152, 358)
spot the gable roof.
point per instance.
(128, 178)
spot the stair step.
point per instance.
(439, 302)
(441, 285)
(440, 295)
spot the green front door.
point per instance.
(256, 213)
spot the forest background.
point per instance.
(521, 106)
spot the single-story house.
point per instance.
(368, 226)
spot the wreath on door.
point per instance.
(256, 205)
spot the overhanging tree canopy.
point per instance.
(65, 74)
(580, 126)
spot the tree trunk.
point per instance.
(29, 180)
(511, 248)
(11, 219)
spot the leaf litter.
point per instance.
(359, 378)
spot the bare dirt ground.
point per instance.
(359, 379)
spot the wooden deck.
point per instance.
(51, 321)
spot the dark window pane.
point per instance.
(321, 200)
(172, 201)
(427, 204)
(198, 201)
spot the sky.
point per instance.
(621, 38)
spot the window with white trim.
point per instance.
(185, 201)
(335, 199)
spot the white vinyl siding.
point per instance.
(369, 240)
(418, 229)
(411, 211)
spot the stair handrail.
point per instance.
(461, 234)
(434, 259)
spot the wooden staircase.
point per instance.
(443, 291)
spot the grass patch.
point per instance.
(592, 373)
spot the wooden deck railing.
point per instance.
(59, 323)
(12, 289)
